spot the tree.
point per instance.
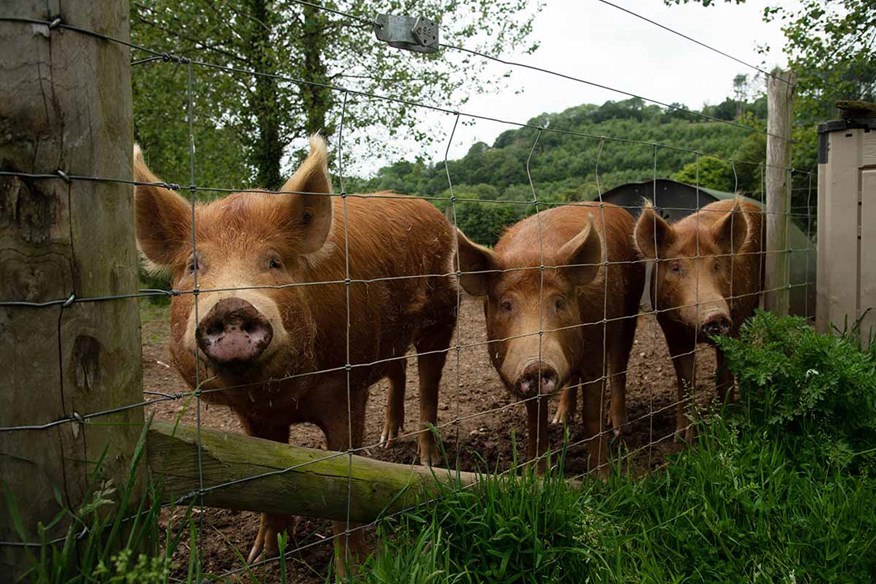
(286, 58)
(830, 45)
(708, 172)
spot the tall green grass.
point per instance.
(113, 537)
(779, 488)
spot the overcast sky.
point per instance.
(599, 43)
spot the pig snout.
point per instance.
(715, 324)
(537, 378)
(233, 332)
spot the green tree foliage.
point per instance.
(830, 45)
(579, 161)
(584, 151)
(245, 123)
(709, 172)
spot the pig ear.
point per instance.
(164, 219)
(310, 208)
(475, 262)
(653, 233)
(731, 230)
(582, 255)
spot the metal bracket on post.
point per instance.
(411, 33)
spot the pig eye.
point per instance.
(505, 306)
(275, 264)
(675, 267)
(560, 304)
(194, 264)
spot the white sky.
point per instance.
(597, 42)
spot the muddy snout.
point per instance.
(537, 378)
(234, 332)
(716, 324)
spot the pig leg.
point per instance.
(395, 402)
(270, 524)
(568, 403)
(350, 545)
(618, 361)
(723, 377)
(537, 445)
(592, 415)
(684, 361)
(432, 355)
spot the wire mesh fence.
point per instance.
(358, 312)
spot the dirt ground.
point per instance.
(477, 417)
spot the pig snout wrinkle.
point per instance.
(535, 373)
(233, 332)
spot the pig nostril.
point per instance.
(214, 329)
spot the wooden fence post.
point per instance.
(780, 101)
(65, 107)
(846, 284)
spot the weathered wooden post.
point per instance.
(846, 285)
(67, 353)
(780, 101)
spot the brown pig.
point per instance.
(282, 309)
(706, 281)
(566, 322)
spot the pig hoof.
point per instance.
(428, 455)
(263, 549)
(388, 438)
(561, 416)
(266, 544)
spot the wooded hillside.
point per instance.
(589, 149)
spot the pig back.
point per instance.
(397, 253)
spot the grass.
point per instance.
(733, 509)
(112, 537)
(780, 487)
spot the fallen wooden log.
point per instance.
(245, 473)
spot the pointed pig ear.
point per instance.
(163, 218)
(475, 262)
(653, 233)
(310, 206)
(731, 230)
(582, 255)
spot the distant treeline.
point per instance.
(589, 149)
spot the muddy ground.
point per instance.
(471, 393)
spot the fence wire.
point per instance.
(654, 413)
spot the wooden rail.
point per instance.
(245, 473)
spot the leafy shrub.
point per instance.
(817, 393)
